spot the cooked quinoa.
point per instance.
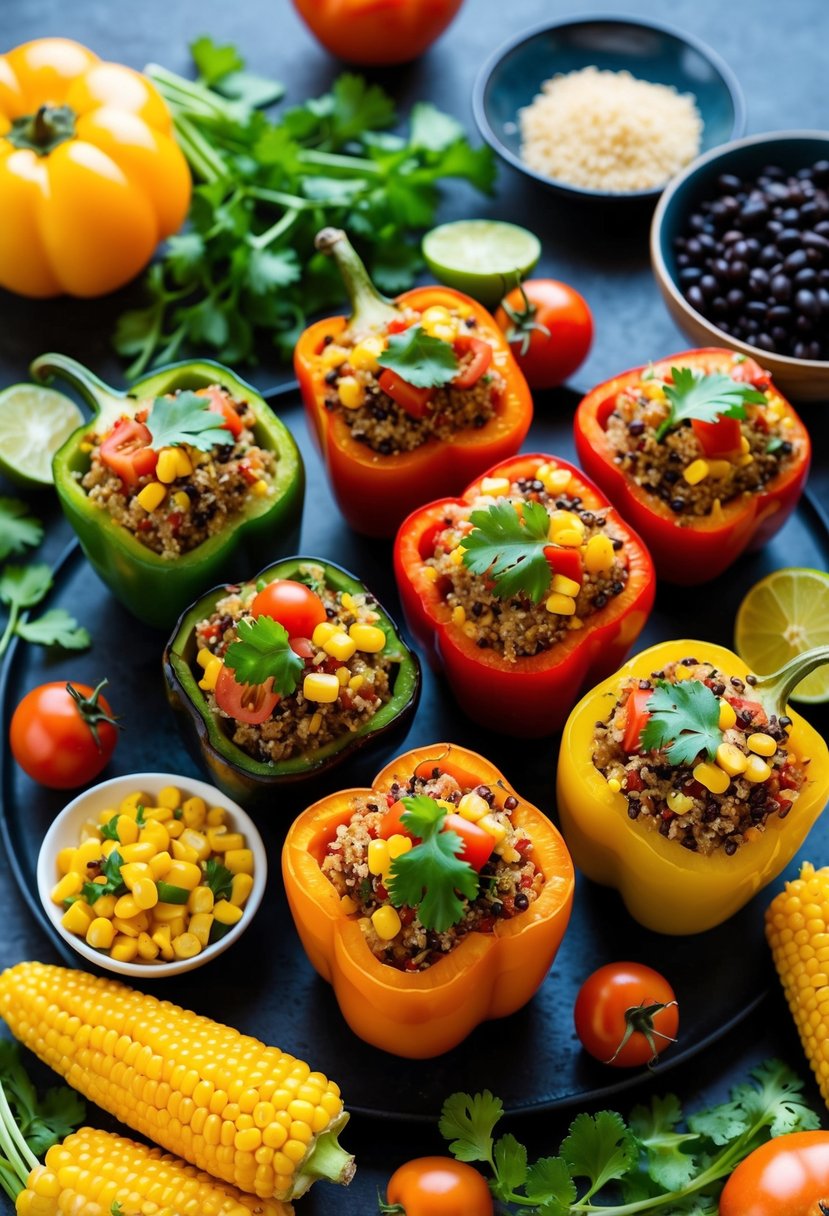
(208, 491)
(509, 882)
(298, 724)
(374, 419)
(676, 469)
(516, 627)
(762, 778)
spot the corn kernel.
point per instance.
(194, 812)
(343, 675)
(323, 632)
(68, 886)
(761, 744)
(731, 759)
(211, 675)
(321, 687)
(100, 934)
(386, 922)
(429, 573)
(145, 893)
(216, 816)
(398, 845)
(495, 487)
(152, 496)
(435, 314)
(458, 615)
(182, 503)
(456, 556)
(340, 646)
(200, 926)
(201, 899)
(728, 716)
(227, 913)
(567, 522)
(240, 889)
(160, 865)
(260, 488)
(757, 770)
(186, 945)
(65, 858)
(554, 480)
(130, 804)
(356, 683)
(696, 472)
(614, 785)
(89, 851)
(183, 852)
(718, 469)
(347, 905)
(712, 777)
(184, 874)
(170, 797)
(745, 446)
(124, 949)
(679, 803)
(184, 465)
(132, 871)
(598, 554)
(105, 906)
(126, 907)
(563, 605)
(378, 857)
(161, 938)
(350, 392)
(575, 622)
(473, 807)
(197, 842)
(333, 355)
(215, 837)
(367, 638)
(683, 673)
(165, 469)
(493, 826)
(569, 538)
(746, 460)
(147, 948)
(315, 723)
(565, 586)
(77, 918)
(365, 354)
(239, 861)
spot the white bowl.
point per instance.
(65, 832)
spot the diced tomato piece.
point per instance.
(481, 353)
(415, 401)
(756, 710)
(636, 719)
(633, 781)
(220, 403)
(126, 450)
(477, 842)
(247, 472)
(392, 824)
(788, 779)
(381, 892)
(304, 647)
(174, 520)
(252, 703)
(398, 325)
(565, 561)
(749, 371)
(720, 438)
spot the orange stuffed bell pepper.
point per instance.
(467, 898)
(688, 784)
(408, 400)
(701, 455)
(91, 178)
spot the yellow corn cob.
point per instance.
(250, 1115)
(92, 1170)
(797, 930)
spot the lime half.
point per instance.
(484, 258)
(34, 422)
(781, 616)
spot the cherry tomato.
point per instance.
(63, 735)
(253, 703)
(220, 403)
(392, 823)
(481, 353)
(636, 719)
(550, 329)
(415, 401)
(126, 450)
(377, 31)
(789, 1176)
(477, 842)
(720, 438)
(297, 608)
(438, 1186)
(626, 1014)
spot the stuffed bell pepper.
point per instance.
(687, 783)
(432, 902)
(181, 482)
(279, 679)
(700, 453)
(408, 399)
(523, 589)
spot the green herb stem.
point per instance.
(353, 166)
(275, 231)
(280, 199)
(183, 94)
(201, 155)
(11, 626)
(13, 1157)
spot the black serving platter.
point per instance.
(265, 985)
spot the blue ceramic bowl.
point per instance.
(802, 379)
(513, 75)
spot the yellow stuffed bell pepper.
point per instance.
(689, 789)
(91, 178)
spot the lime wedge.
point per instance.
(34, 422)
(484, 258)
(784, 614)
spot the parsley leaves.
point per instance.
(42, 1121)
(431, 874)
(263, 653)
(693, 394)
(218, 878)
(114, 885)
(186, 418)
(420, 359)
(510, 548)
(18, 529)
(605, 1164)
(684, 721)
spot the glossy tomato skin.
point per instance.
(601, 1005)
(377, 31)
(297, 608)
(551, 358)
(789, 1176)
(51, 741)
(251, 703)
(439, 1186)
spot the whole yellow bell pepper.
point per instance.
(666, 887)
(91, 178)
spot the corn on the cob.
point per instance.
(797, 929)
(251, 1115)
(93, 1170)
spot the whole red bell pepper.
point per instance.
(689, 549)
(528, 696)
(375, 491)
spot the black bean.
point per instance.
(796, 260)
(510, 803)
(806, 301)
(689, 275)
(678, 505)
(522, 901)
(735, 299)
(780, 315)
(730, 847)
(788, 239)
(806, 277)
(695, 298)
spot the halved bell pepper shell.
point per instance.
(531, 696)
(487, 975)
(153, 588)
(666, 887)
(376, 492)
(688, 550)
(232, 769)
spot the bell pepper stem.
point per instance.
(368, 308)
(774, 690)
(108, 404)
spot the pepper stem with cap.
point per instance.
(369, 310)
(773, 691)
(109, 405)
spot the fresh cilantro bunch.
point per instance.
(510, 548)
(42, 1121)
(431, 875)
(246, 265)
(684, 721)
(657, 1161)
(706, 397)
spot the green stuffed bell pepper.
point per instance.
(280, 679)
(188, 478)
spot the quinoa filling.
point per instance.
(720, 801)
(358, 859)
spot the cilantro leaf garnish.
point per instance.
(218, 878)
(510, 548)
(42, 1121)
(55, 628)
(684, 721)
(263, 653)
(186, 418)
(706, 397)
(467, 1123)
(420, 359)
(24, 586)
(599, 1148)
(429, 876)
(109, 830)
(18, 529)
(114, 885)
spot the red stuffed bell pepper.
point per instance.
(522, 590)
(408, 399)
(702, 455)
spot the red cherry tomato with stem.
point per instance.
(550, 329)
(296, 607)
(626, 1014)
(788, 1176)
(437, 1186)
(62, 735)
(251, 703)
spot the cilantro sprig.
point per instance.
(706, 397)
(42, 1121)
(262, 653)
(186, 418)
(22, 588)
(510, 548)
(18, 528)
(684, 721)
(420, 359)
(114, 884)
(656, 1161)
(431, 874)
